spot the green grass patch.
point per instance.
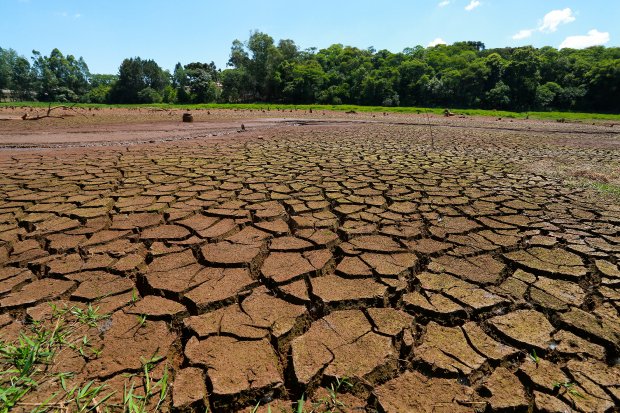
(610, 189)
(558, 116)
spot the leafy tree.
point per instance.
(546, 95)
(197, 81)
(499, 96)
(136, 75)
(15, 74)
(410, 74)
(604, 85)
(522, 76)
(305, 83)
(58, 77)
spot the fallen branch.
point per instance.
(50, 108)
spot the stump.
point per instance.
(187, 117)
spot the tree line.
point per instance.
(464, 74)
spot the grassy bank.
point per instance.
(568, 116)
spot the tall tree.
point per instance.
(139, 81)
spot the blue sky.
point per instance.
(105, 32)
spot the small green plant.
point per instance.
(330, 402)
(89, 317)
(152, 390)
(534, 357)
(300, 405)
(569, 388)
(142, 320)
(86, 398)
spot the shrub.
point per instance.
(149, 95)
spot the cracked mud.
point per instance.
(270, 263)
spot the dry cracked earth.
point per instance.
(453, 278)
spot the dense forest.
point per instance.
(464, 75)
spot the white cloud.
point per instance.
(522, 34)
(472, 5)
(77, 15)
(554, 18)
(444, 3)
(548, 24)
(593, 38)
(437, 41)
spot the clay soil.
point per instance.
(270, 261)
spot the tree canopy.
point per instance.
(464, 74)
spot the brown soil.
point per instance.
(310, 247)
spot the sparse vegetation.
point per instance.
(607, 188)
(23, 363)
(25, 366)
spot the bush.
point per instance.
(99, 94)
(149, 95)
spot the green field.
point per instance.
(568, 116)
